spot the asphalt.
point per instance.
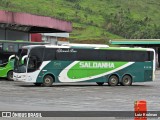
(20, 96)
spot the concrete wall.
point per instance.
(13, 35)
(50, 39)
(55, 38)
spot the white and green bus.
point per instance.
(47, 64)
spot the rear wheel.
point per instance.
(100, 83)
(10, 75)
(48, 81)
(126, 80)
(113, 80)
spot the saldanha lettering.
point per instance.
(96, 65)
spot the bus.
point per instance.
(44, 65)
(8, 49)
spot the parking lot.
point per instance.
(19, 96)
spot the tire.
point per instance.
(113, 80)
(37, 84)
(100, 83)
(48, 81)
(126, 80)
(10, 75)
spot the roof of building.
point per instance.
(32, 23)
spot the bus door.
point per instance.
(34, 63)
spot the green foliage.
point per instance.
(73, 0)
(122, 24)
(97, 20)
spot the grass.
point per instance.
(87, 16)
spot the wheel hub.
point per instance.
(47, 80)
(126, 81)
(113, 80)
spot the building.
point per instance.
(19, 26)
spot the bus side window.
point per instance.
(1, 63)
(123, 55)
(150, 55)
(32, 63)
(4, 59)
(49, 54)
(66, 55)
(35, 59)
(89, 55)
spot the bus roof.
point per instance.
(88, 47)
(131, 48)
(47, 46)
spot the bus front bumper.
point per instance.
(19, 77)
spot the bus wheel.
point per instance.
(100, 83)
(37, 84)
(10, 75)
(113, 80)
(126, 80)
(48, 81)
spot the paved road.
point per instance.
(19, 96)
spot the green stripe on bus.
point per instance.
(85, 69)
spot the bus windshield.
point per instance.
(21, 61)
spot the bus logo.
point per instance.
(6, 114)
(66, 51)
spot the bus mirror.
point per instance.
(23, 59)
(11, 57)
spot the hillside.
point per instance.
(95, 21)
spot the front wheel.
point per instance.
(126, 80)
(10, 75)
(113, 80)
(47, 81)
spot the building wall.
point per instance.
(13, 35)
(62, 40)
(50, 39)
(36, 37)
(55, 38)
